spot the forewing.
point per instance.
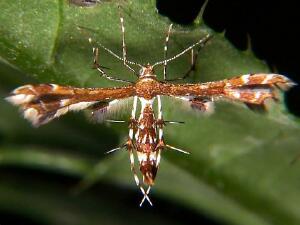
(255, 89)
(44, 102)
(251, 89)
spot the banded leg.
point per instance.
(191, 68)
(136, 178)
(132, 119)
(173, 122)
(177, 149)
(97, 66)
(124, 46)
(145, 196)
(161, 143)
(190, 48)
(200, 42)
(166, 51)
(129, 145)
(193, 60)
(116, 149)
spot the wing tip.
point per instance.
(19, 99)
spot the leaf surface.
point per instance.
(239, 169)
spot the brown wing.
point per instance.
(251, 89)
(43, 102)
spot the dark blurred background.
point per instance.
(271, 26)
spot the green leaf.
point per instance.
(239, 170)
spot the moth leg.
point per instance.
(193, 60)
(115, 121)
(136, 178)
(160, 117)
(130, 146)
(100, 69)
(166, 51)
(160, 124)
(116, 149)
(191, 68)
(177, 149)
(124, 50)
(173, 122)
(144, 198)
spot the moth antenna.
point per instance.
(177, 149)
(166, 50)
(136, 178)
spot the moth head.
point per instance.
(147, 71)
